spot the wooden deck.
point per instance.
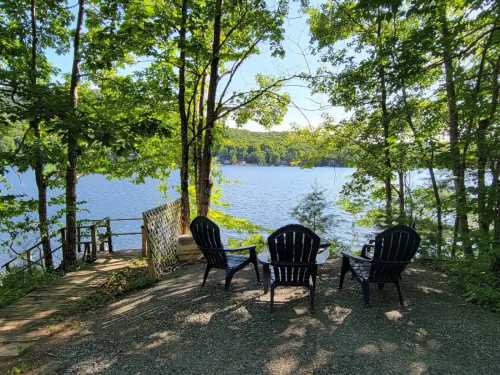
(33, 317)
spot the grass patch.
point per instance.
(117, 284)
(20, 369)
(17, 283)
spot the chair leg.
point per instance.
(228, 282)
(380, 286)
(256, 271)
(343, 271)
(272, 298)
(267, 277)
(312, 292)
(401, 300)
(365, 286)
(207, 270)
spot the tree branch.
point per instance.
(258, 94)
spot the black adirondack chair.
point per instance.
(369, 248)
(293, 249)
(393, 250)
(207, 236)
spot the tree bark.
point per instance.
(439, 206)
(495, 188)
(401, 197)
(38, 164)
(430, 167)
(206, 160)
(69, 249)
(386, 132)
(484, 212)
(41, 184)
(482, 157)
(199, 142)
(184, 170)
(454, 138)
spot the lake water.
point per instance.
(263, 195)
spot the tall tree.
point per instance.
(237, 30)
(29, 29)
(35, 127)
(362, 84)
(184, 117)
(71, 122)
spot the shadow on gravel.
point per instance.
(180, 327)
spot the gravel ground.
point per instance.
(177, 327)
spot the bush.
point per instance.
(17, 283)
(479, 283)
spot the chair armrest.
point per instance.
(393, 262)
(356, 258)
(366, 249)
(250, 248)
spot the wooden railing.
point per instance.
(91, 239)
(27, 256)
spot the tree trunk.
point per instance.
(206, 161)
(198, 142)
(386, 132)
(184, 170)
(43, 225)
(495, 202)
(482, 157)
(430, 168)
(69, 249)
(495, 188)
(38, 165)
(401, 197)
(439, 209)
(457, 167)
(484, 211)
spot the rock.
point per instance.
(187, 250)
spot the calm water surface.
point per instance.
(264, 195)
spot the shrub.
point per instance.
(479, 283)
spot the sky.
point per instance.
(306, 108)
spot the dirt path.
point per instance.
(177, 327)
(33, 317)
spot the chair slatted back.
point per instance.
(206, 234)
(293, 249)
(394, 249)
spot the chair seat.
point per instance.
(235, 261)
(361, 269)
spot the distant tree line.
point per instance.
(240, 146)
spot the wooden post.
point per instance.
(86, 252)
(93, 239)
(79, 237)
(144, 249)
(28, 259)
(108, 230)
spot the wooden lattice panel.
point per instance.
(162, 226)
